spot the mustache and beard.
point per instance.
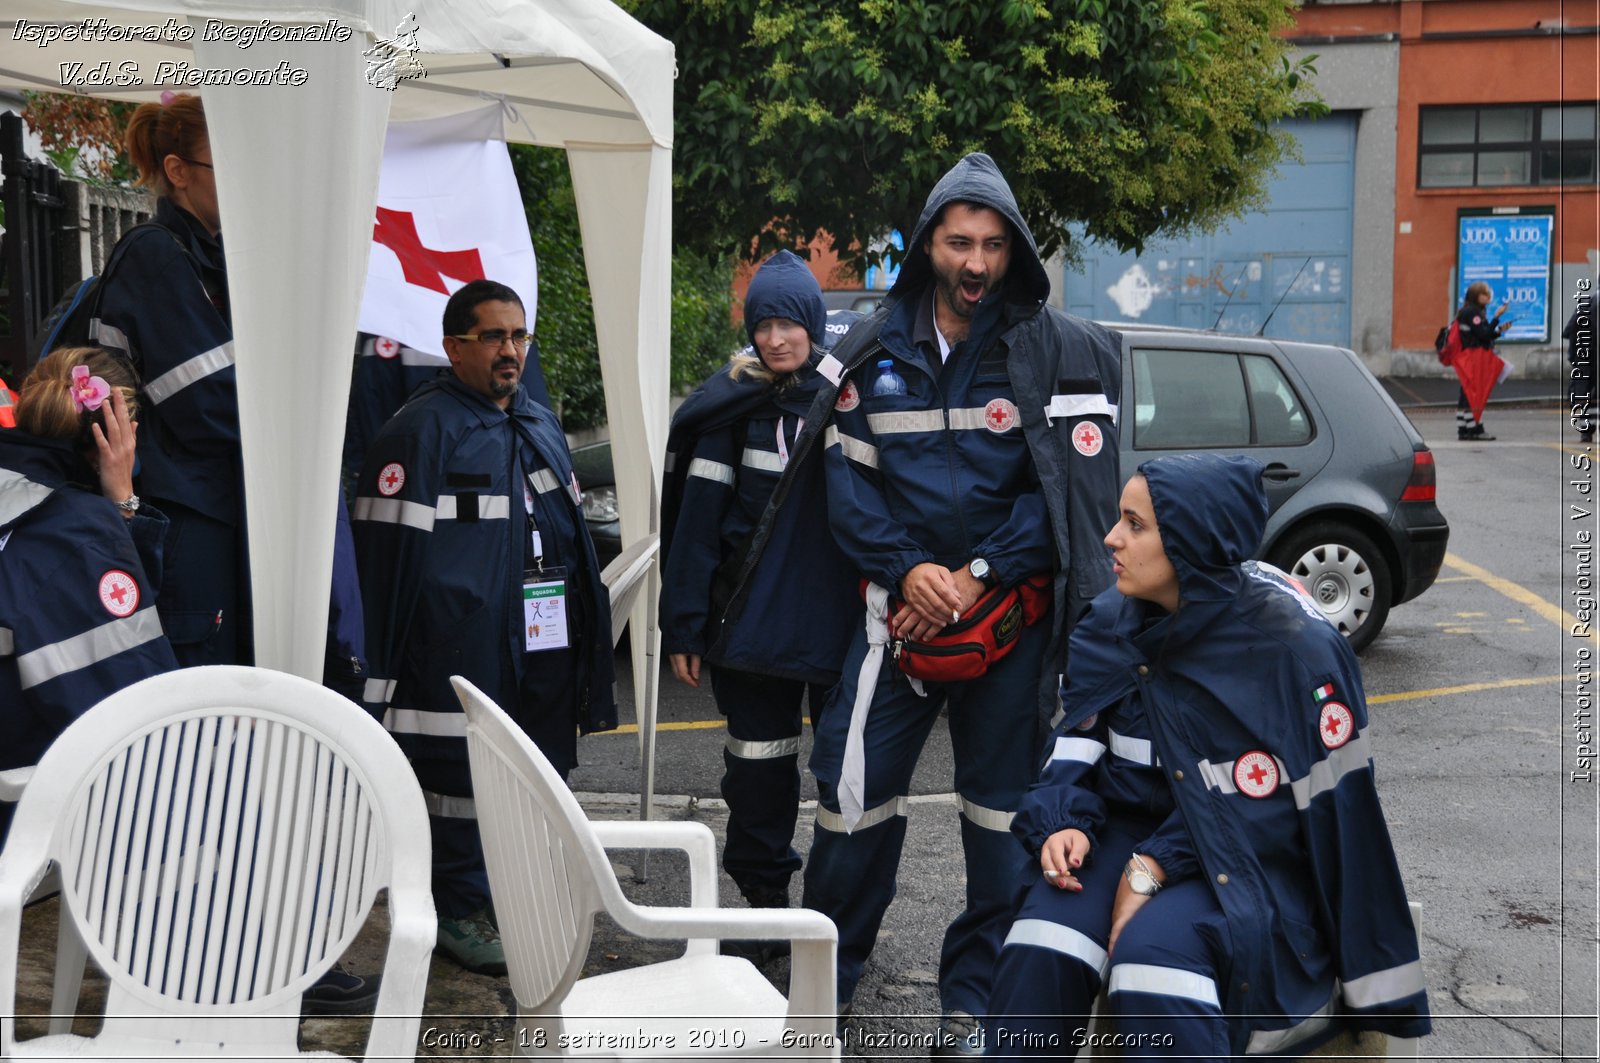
(502, 387)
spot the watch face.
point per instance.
(1141, 883)
(979, 568)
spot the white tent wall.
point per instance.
(626, 240)
(297, 181)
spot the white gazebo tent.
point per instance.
(297, 167)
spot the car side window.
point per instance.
(1188, 399)
(1280, 418)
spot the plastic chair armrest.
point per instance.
(397, 1017)
(694, 839)
(763, 924)
(13, 782)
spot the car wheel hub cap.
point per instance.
(1340, 581)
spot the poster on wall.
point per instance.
(1509, 249)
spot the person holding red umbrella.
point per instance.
(1477, 365)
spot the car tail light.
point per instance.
(1423, 484)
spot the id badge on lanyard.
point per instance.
(544, 593)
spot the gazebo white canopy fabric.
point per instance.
(297, 182)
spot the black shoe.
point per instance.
(960, 1036)
(758, 952)
(340, 993)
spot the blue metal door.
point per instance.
(1299, 245)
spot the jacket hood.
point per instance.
(31, 469)
(1211, 512)
(785, 287)
(976, 179)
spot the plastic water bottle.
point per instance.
(889, 382)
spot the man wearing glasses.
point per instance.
(475, 561)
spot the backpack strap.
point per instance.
(109, 336)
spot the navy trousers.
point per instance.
(994, 732)
(1164, 976)
(546, 713)
(761, 774)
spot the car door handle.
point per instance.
(1279, 471)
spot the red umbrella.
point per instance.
(1479, 370)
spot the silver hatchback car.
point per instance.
(1349, 480)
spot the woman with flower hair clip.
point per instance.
(80, 556)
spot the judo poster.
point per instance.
(1511, 253)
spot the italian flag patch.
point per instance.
(1322, 693)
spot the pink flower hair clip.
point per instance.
(88, 392)
(167, 97)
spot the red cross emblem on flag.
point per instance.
(384, 347)
(391, 478)
(423, 266)
(1255, 774)
(1337, 725)
(1087, 438)
(119, 593)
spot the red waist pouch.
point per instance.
(969, 647)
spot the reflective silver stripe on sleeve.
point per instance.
(1134, 749)
(393, 511)
(1090, 405)
(672, 461)
(378, 691)
(195, 369)
(1163, 982)
(1266, 1042)
(831, 368)
(449, 807)
(1325, 774)
(765, 460)
(6, 642)
(1219, 776)
(108, 335)
(544, 481)
(419, 722)
(1384, 987)
(987, 818)
(1083, 750)
(857, 451)
(781, 747)
(711, 470)
(490, 507)
(18, 495)
(91, 647)
(1043, 934)
(889, 424)
(833, 821)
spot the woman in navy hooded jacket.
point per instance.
(1206, 822)
(768, 604)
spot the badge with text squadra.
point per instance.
(544, 611)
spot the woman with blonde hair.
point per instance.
(80, 555)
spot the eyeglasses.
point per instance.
(196, 162)
(495, 337)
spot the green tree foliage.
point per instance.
(1135, 117)
(703, 335)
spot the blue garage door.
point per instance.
(1300, 244)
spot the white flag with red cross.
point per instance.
(448, 212)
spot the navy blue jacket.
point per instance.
(1259, 778)
(789, 608)
(167, 307)
(440, 527)
(77, 595)
(1009, 453)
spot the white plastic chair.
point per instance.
(220, 835)
(625, 576)
(549, 876)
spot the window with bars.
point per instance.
(1524, 144)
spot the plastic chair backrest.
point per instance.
(548, 872)
(221, 834)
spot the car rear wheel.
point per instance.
(1346, 575)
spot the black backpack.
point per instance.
(70, 322)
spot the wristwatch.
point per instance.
(1140, 880)
(979, 568)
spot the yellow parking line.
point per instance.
(1579, 449)
(1465, 688)
(1517, 593)
(686, 725)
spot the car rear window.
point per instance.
(1201, 399)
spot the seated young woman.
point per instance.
(1210, 846)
